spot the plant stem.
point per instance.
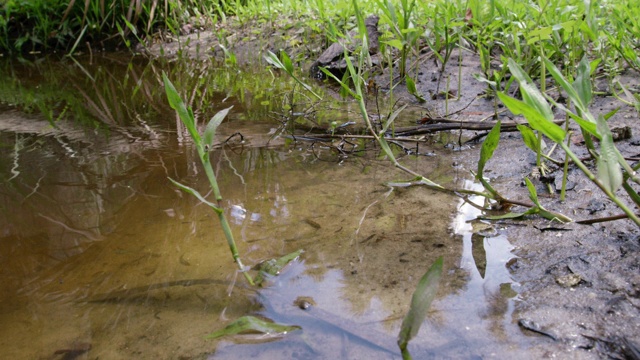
(595, 180)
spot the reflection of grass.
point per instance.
(109, 93)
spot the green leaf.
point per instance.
(488, 147)
(411, 88)
(387, 150)
(273, 267)
(588, 126)
(529, 137)
(272, 59)
(568, 88)
(210, 130)
(511, 215)
(195, 193)
(535, 119)
(286, 60)
(533, 194)
(343, 84)
(178, 105)
(420, 302)
(534, 98)
(530, 94)
(394, 43)
(582, 83)
(252, 324)
(608, 115)
(609, 172)
(392, 118)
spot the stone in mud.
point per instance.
(569, 280)
(333, 57)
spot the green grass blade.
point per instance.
(420, 302)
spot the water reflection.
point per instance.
(102, 257)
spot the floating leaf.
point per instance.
(247, 324)
(273, 267)
(420, 302)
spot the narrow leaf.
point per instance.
(178, 105)
(582, 83)
(195, 193)
(511, 215)
(210, 130)
(566, 85)
(411, 88)
(344, 85)
(420, 302)
(488, 147)
(529, 137)
(247, 324)
(286, 60)
(533, 194)
(609, 172)
(387, 150)
(535, 119)
(393, 117)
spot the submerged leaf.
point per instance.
(273, 267)
(248, 324)
(420, 302)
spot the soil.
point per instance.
(579, 284)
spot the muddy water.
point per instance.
(102, 258)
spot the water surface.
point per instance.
(103, 258)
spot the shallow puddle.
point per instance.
(101, 257)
